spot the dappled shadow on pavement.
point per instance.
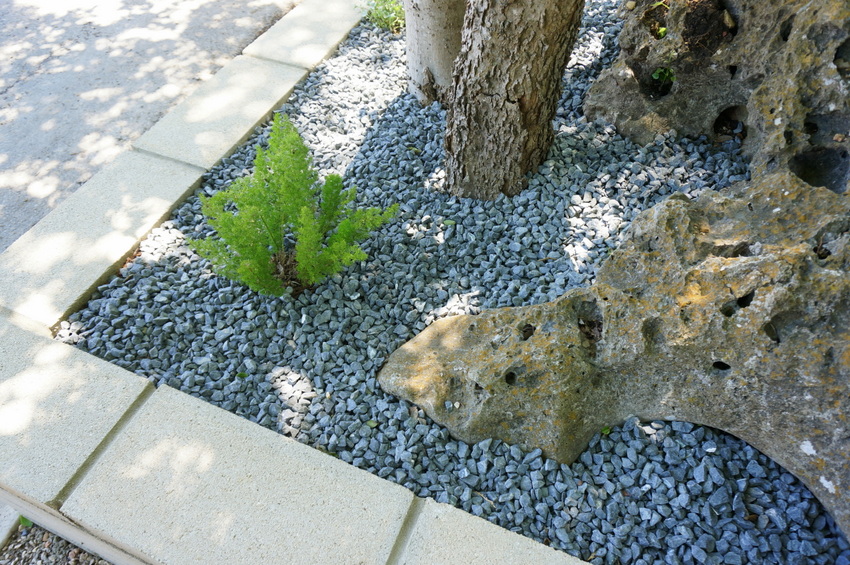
(81, 79)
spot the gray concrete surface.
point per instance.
(180, 459)
(214, 119)
(81, 79)
(52, 269)
(49, 393)
(9, 520)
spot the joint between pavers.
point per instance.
(9, 520)
(104, 444)
(53, 521)
(85, 296)
(284, 63)
(25, 322)
(154, 154)
(406, 531)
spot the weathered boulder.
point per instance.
(774, 73)
(732, 310)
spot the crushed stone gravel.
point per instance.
(36, 546)
(645, 493)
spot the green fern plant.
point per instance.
(280, 227)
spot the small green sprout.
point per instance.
(606, 430)
(386, 14)
(662, 31)
(664, 75)
(25, 522)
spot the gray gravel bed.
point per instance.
(36, 546)
(656, 492)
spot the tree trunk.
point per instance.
(433, 42)
(505, 88)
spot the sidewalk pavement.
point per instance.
(80, 80)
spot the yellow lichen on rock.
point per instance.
(726, 310)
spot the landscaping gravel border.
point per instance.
(657, 492)
(36, 546)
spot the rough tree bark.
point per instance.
(505, 87)
(433, 42)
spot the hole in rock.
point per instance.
(785, 28)
(731, 122)
(746, 300)
(829, 358)
(654, 19)
(789, 136)
(828, 167)
(658, 82)
(770, 331)
(820, 250)
(591, 329)
(707, 24)
(732, 250)
(826, 129)
(527, 331)
(729, 308)
(721, 366)
(510, 378)
(733, 70)
(842, 59)
(589, 321)
(653, 335)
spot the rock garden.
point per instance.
(602, 223)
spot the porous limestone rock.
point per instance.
(732, 310)
(774, 73)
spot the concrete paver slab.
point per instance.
(215, 119)
(308, 34)
(186, 481)
(445, 535)
(53, 267)
(57, 404)
(51, 520)
(9, 520)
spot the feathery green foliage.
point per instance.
(283, 198)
